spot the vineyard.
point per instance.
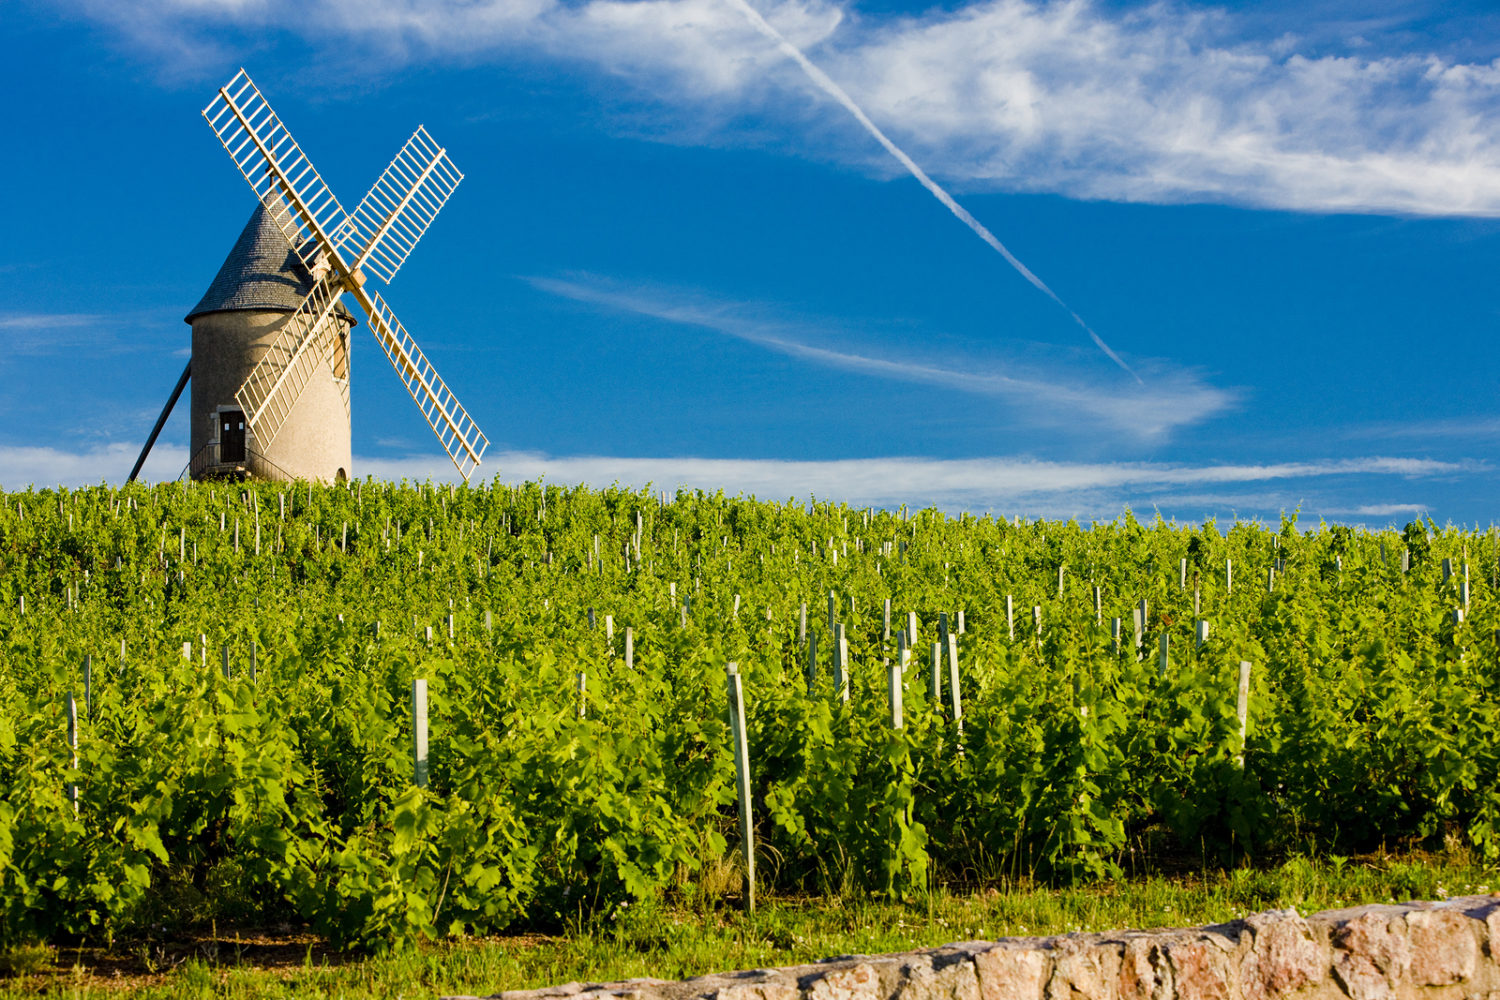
(209, 691)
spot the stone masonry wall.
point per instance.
(1414, 951)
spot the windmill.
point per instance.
(270, 362)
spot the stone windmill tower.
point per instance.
(270, 359)
(259, 287)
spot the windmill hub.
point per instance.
(273, 323)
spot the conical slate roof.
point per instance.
(260, 273)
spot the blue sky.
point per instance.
(677, 258)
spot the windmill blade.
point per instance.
(460, 436)
(303, 343)
(276, 168)
(395, 213)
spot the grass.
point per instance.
(670, 943)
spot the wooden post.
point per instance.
(88, 685)
(935, 673)
(583, 693)
(254, 673)
(1036, 622)
(450, 627)
(1010, 617)
(1059, 581)
(1242, 708)
(911, 628)
(1228, 576)
(224, 659)
(187, 651)
(812, 659)
(1098, 606)
(1270, 579)
(742, 778)
(489, 621)
(629, 647)
(802, 626)
(1202, 633)
(609, 630)
(1182, 574)
(832, 612)
(894, 680)
(1114, 634)
(960, 621)
(1447, 569)
(419, 731)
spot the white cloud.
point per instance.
(1005, 485)
(1175, 398)
(22, 466)
(1160, 103)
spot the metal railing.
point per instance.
(254, 465)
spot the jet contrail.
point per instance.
(833, 90)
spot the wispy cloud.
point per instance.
(1007, 485)
(1163, 102)
(1381, 509)
(1455, 428)
(47, 321)
(43, 333)
(1175, 398)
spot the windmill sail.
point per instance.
(392, 217)
(335, 247)
(275, 167)
(304, 342)
(460, 437)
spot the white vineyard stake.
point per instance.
(894, 681)
(742, 778)
(419, 732)
(955, 702)
(72, 710)
(1242, 708)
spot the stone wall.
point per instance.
(1414, 951)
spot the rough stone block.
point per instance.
(1415, 951)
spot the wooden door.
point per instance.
(231, 436)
